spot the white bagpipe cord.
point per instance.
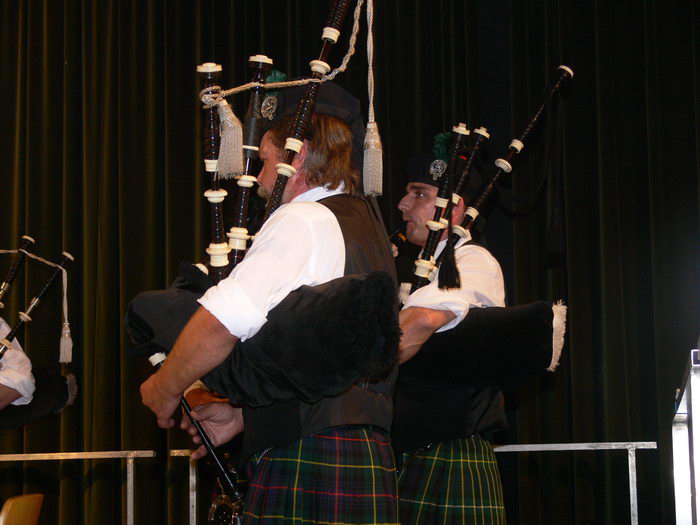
(304, 81)
(372, 164)
(66, 343)
(230, 162)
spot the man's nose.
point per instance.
(403, 204)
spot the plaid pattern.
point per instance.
(339, 476)
(453, 482)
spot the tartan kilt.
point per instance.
(454, 481)
(335, 477)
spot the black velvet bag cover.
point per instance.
(154, 319)
(317, 342)
(493, 346)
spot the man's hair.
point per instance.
(329, 155)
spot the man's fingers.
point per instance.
(166, 422)
(199, 453)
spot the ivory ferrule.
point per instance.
(218, 254)
(331, 34)
(504, 165)
(215, 196)
(481, 131)
(462, 232)
(456, 198)
(238, 238)
(517, 145)
(440, 202)
(461, 128)
(471, 212)
(246, 181)
(435, 225)
(293, 144)
(285, 169)
(423, 268)
(320, 67)
(211, 165)
(252, 148)
(209, 67)
(260, 58)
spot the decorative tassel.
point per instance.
(372, 165)
(231, 147)
(448, 276)
(66, 345)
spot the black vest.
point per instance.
(366, 249)
(432, 403)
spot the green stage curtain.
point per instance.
(100, 156)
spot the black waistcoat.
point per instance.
(366, 250)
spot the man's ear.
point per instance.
(458, 211)
(300, 157)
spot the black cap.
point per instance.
(331, 100)
(427, 169)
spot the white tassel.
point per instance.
(231, 146)
(372, 167)
(66, 345)
(558, 331)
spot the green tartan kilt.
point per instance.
(339, 476)
(452, 482)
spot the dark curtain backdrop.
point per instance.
(99, 156)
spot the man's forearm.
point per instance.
(417, 325)
(203, 345)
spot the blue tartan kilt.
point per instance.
(452, 482)
(335, 477)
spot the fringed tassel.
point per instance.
(558, 331)
(372, 167)
(66, 345)
(231, 147)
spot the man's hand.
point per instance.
(417, 325)
(202, 345)
(221, 421)
(161, 402)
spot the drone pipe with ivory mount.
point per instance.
(26, 242)
(425, 264)
(306, 106)
(504, 164)
(252, 126)
(218, 250)
(66, 259)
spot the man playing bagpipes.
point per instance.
(316, 430)
(459, 347)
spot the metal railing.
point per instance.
(630, 447)
(129, 455)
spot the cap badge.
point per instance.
(438, 168)
(268, 107)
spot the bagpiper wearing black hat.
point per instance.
(312, 456)
(447, 470)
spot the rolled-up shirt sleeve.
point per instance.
(301, 244)
(16, 370)
(481, 281)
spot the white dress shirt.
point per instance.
(16, 369)
(481, 279)
(300, 244)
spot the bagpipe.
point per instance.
(60, 267)
(491, 346)
(155, 318)
(52, 391)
